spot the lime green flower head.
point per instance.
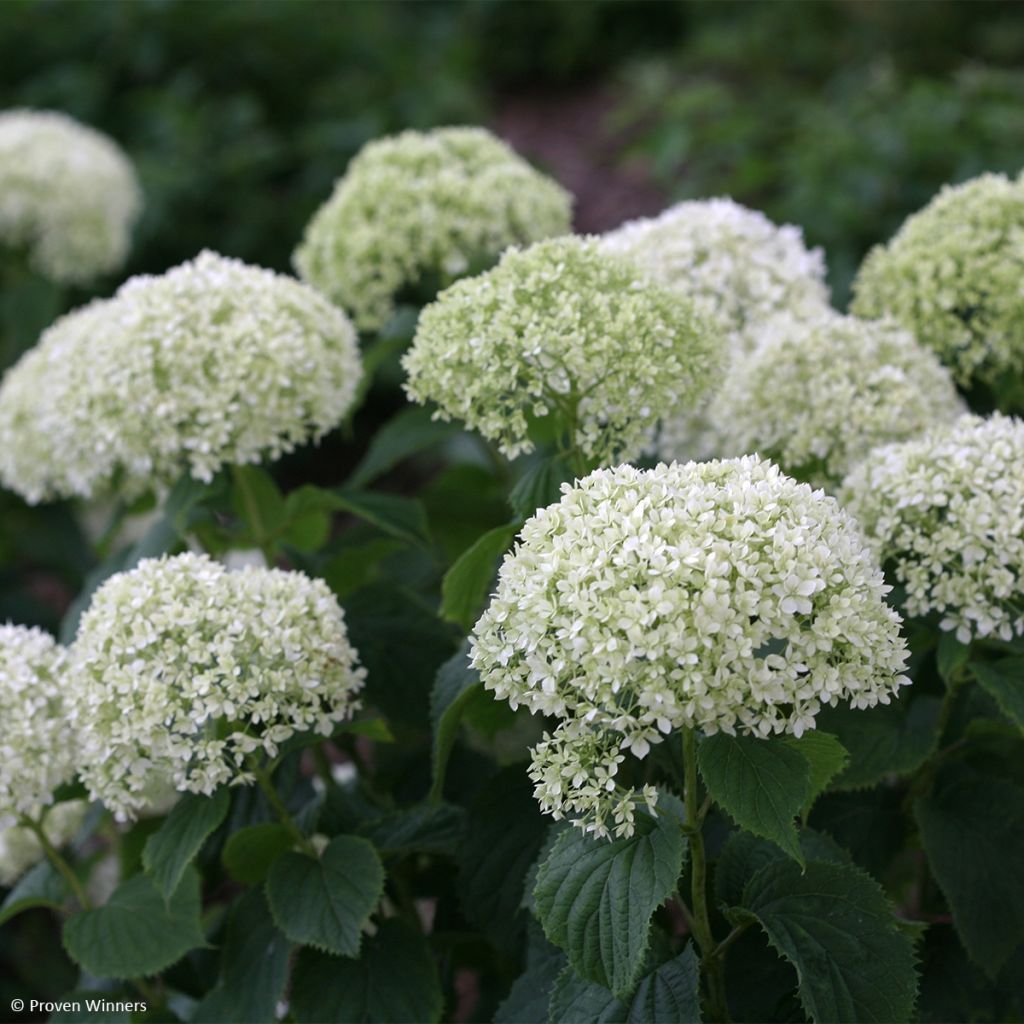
(422, 209)
(562, 329)
(68, 195)
(953, 276)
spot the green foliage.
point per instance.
(168, 852)
(40, 887)
(595, 897)
(136, 932)
(325, 903)
(393, 981)
(1004, 681)
(250, 852)
(761, 784)
(466, 583)
(833, 923)
(457, 682)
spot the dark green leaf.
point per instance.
(42, 886)
(426, 828)
(136, 934)
(325, 903)
(950, 656)
(465, 585)
(826, 756)
(394, 981)
(575, 1000)
(504, 832)
(893, 739)
(670, 994)
(249, 853)
(854, 962)
(412, 430)
(253, 968)
(531, 992)
(168, 852)
(539, 486)
(595, 897)
(258, 503)
(972, 828)
(456, 683)
(397, 516)
(761, 784)
(1004, 682)
(402, 644)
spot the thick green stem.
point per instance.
(711, 965)
(282, 812)
(54, 857)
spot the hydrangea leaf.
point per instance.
(393, 981)
(892, 739)
(826, 756)
(670, 994)
(761, 784)
(41, 886)
(834, 924)
(465, 585)
(950, 656)
(250, 852)
(454, 687)
(595, 898)
(1004, 682)
(412, 430)
(530, 994)
(539, 486)
(425, 828)
(136, 933)
(505, 831)
(170, 850)
(972, 828)
(325, 903)
(253, 968)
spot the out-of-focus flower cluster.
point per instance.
(720, 596)
(562, 329)
(817, 394)
(213, 363)
(20, 848)
(37, 749)
(954, 276)
(68, 195)
(419, 206)
(947, 512)
(734, 263)
(183, 669)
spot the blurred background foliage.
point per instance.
(842, 116)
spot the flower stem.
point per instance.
(54, 857)
(710, 963)
(282, 812)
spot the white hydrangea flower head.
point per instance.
(37, 745)
(68, 195)
(184, 670)
(20, 849)
(562, 328)
(733, 262)
(210, 364)
(818, 394)
(738, 267)
(422, 206)
(721, 596)
(946, 510)
(954, 276)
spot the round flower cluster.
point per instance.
(562, 328)
(424, 208)
(68, 195)
(734, 263)
(953, 276)
(818, 394)
(213, 363)
(183, 670)
(20, 849)
(718, 596)
(736, 266)
(947, 511)
(37, 750)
